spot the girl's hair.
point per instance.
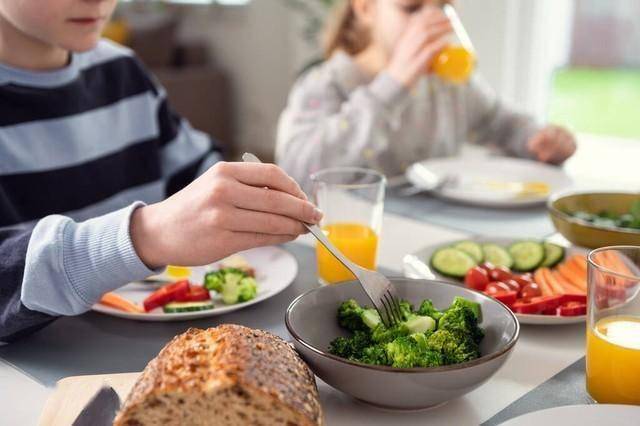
(343, 31)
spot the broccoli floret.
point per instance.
(427, 308)
(474, 306)
(420, 324)
(351, 347)
(382, 334)
(455, 347)
(233, 284)
(461, 318)
(376, 354)
(354, 317)
(407, 352)
(406, 309)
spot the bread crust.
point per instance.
(228, 357)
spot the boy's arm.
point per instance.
(61, 267)
(492, 123)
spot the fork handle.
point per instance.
(322, 238)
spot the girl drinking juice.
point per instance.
(394, 89)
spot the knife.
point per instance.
(101, 410)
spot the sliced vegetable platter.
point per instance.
(541, 281)
(275, 269)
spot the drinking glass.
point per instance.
(352, 200)
(456, 62)
(613, 325)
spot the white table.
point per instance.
(541, 352)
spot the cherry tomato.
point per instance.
(513, 285)
(477, 278)
(523, 280)
(500, 273)
(487, 266)
(495, 287)
(530, 290)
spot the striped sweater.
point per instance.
(80, 148)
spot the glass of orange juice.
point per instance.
(456, 62)
(352, 200)
(613, 325)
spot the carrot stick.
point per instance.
(570, 275)
(568, 287)
(580, 261)
(555, 285)
(616, 264)
(117, 302)
(539, 278)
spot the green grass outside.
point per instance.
(599, 101)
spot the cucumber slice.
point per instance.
(452, 262)
(527, 255)
(178, 307)
(472, 248)
(553, 254)
(497, 255)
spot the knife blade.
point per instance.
(101, 410)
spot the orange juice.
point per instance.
(178, 272)
(358, 242)
(613, 360)
(454, 64)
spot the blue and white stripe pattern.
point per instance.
(83, 143)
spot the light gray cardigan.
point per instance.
(336, 116)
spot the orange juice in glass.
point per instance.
(613, 325)
(352, 200)
(456, 62)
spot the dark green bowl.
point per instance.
(586, 234)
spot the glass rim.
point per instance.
(606, 270)
(317, 177)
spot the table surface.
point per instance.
(95, 344)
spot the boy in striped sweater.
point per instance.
(89, 152)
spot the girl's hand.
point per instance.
(424, 37)
(226, 210)
(553, 144)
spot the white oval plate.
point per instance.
(416, 265)
(583, 415)
(275, 269)
(470, 174)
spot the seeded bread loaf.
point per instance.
(227, 375)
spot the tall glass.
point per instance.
(613, 325)
(456, 62)
(352, 200)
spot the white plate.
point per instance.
(275, 268)
(416, 265)
(469, 187)
(583, 415)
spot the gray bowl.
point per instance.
(311, 321)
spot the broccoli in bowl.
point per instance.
(427, 337)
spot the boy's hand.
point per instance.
(553, 144)
(425, 36)
(226, 210)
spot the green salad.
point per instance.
(607, 219)
(427, 337)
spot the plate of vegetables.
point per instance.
(540, 281)
(231, 284)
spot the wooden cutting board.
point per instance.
(72, 394)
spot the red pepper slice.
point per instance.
(166, 294)
(537, 305)
(572, 309)
(196, 293)
(581, 298)
(506, 297)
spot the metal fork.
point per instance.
(382, 293)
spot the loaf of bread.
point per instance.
(227, 375)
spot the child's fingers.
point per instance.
(262, 175)
(426, 56)
(240, 220)
(277, 202)
(428, 36)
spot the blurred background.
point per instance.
(228, 65)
